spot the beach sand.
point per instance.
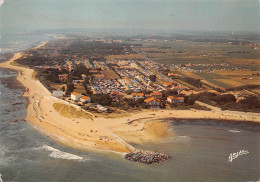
(100, 133)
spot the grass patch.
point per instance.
(70, 112)
(212, 78)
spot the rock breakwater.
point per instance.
(147, 157)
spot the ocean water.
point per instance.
(200, 151)
(10, 43)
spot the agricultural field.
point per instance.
(256, 91)
(245, 77)
(247, 63)
(228, 79)
(230, 82)
(212, 80)
(184, 83)
(238, 73)
(224, 79)
(184, 52)
(192, 75)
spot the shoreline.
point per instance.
(103, 134)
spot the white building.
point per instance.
(175, 100)
(85, 99)
(136, 96)
(57, 93)
(101, 108)
(153, 102)
(75, 96)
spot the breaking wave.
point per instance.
(234, 131)
(176, 139)
(55, 153)
(1, 178)
(1, 3)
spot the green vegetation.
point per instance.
(192, 81)
(48, 76)
(210, 77)
(228, 102)
(184, 106)
(102, 99)
(79, 70)
(70, 111)
(152, 78)
(70, 85)
(81, 47)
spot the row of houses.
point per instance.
(75, 96)
(153, 100)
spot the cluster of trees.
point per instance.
(86, 81)
(38, 60)
(79, 70)
(49, 75)
(251, 103)
(152, 78)
(102, 99)
(130, 103)
(82, 47)
(69, 86)
(106, 100)
(34, 61)
(228, 102)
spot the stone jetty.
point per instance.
(147, 157)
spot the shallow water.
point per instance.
(199, 150)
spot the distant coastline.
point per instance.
(109, 134)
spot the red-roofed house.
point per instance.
(75, 96)
(136, 96)
(173, 75)
(157, 95)
(85, 99)
(167, 84)
(175, 100)
(153, 102)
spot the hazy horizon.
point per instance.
(129, 15)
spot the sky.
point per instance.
(144, 15)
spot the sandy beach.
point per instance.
(100, 133)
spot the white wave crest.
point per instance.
(176, 139)
(1, 178)
(234, 131)
(1, 3)
(55, 153)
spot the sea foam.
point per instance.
(176, 139)
(55, 153)
(1, 3)
(1, 178)
(234, 131)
